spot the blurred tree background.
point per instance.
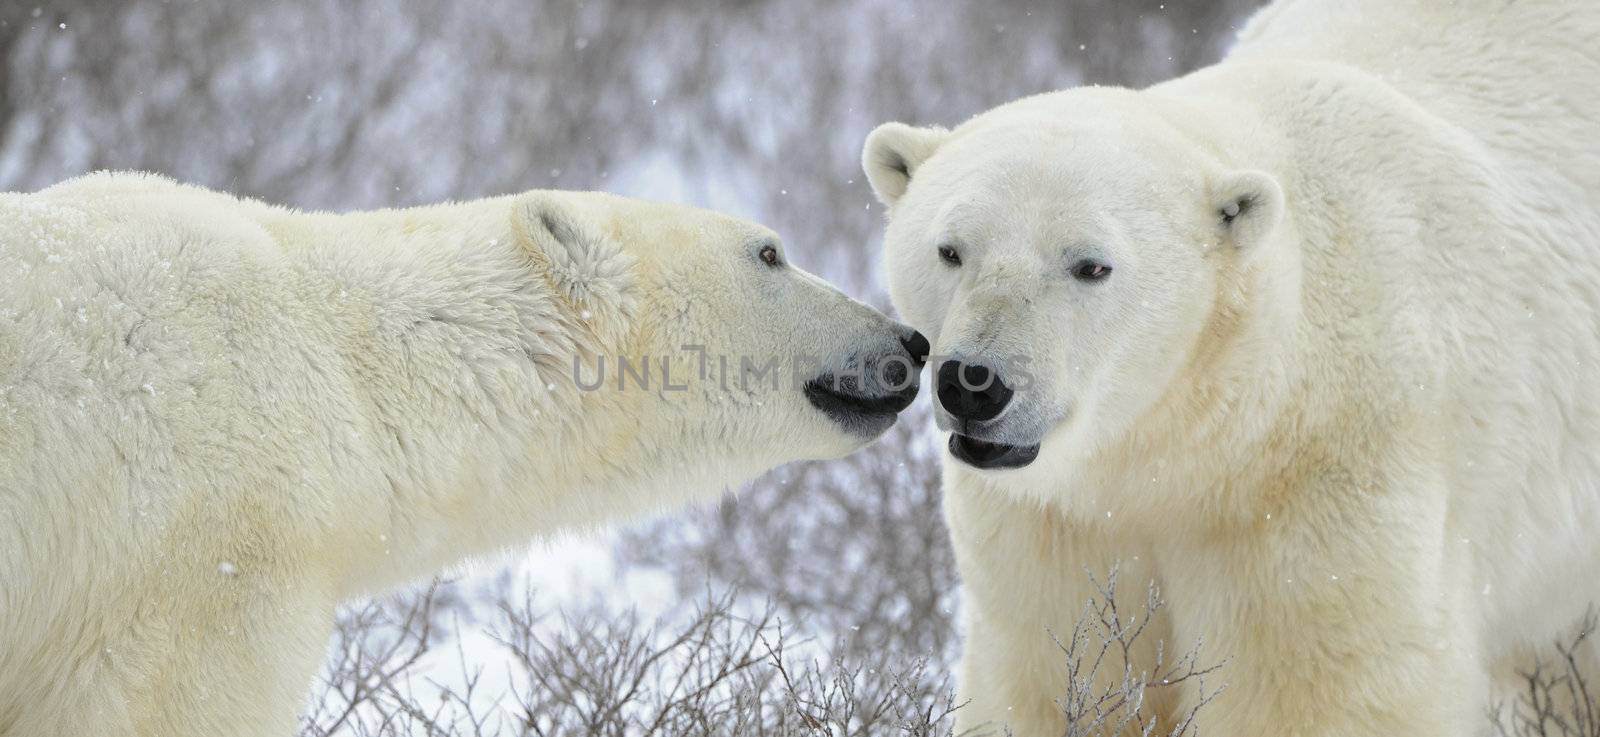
(754, 107)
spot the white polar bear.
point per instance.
(219, 418)
(1312, 338)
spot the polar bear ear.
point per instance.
(892, 154)
(586, 268)
(1249, 204)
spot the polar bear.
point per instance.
(222, 418)
(1310, 337)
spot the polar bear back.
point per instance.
(1518, 76)
(1495, 254)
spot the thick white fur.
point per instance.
(1357, 440)
(219, 419)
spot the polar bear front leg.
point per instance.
(1026, 580)
(242, 668)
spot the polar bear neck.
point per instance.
(458, 358)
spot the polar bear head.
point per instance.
(696, 341)
(1067, 255)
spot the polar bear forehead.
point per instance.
(658, 231)
(1081, 154)
(1061, 174)
(1106, 132)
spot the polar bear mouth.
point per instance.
(986, 455)
(857, 412)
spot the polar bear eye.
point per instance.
(1090, 270)
(949, 255)
(769, 255)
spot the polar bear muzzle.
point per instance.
(972, 394)
(866, 398)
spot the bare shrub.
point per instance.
(714, 671)
(377, 649)
(855, 547)
(1556, 699)
(1105, 639)
(599, 674)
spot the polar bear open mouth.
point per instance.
(986, 455)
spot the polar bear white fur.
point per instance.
(1338, 393)
(219, 419)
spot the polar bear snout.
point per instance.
(918, 346)
(871, 391)
(973, 394)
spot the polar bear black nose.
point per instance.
(917, 346)
(971, 391)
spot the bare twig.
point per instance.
(1556, 699)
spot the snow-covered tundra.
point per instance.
(1311, 337)
(220, 418)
